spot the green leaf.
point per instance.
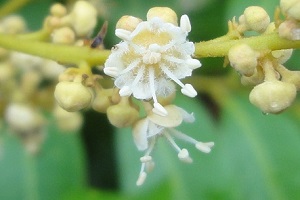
(59, 167)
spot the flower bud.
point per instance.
(289, 29)
(67, 121)
(102, 100)
(273, 96)
(255, 79)
(291, 8)
(243, 59)
(128, 23)
(255, 18)
(73, 96)
(83, 18)
(164, 13)
(58, 10)
(25, 62)
(13, 24)
(64, 35)
(23, 118)
(51, 69)
(122, 114)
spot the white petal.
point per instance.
(123, 34)
(140, 134)
(185, 23)
(189, 91)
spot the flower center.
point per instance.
(153, 55)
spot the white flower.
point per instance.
(150, 57)
(148, 130)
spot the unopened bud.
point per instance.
(58, 10)
(255, 18)
(64, 35)
(83, 18)
(67, 121)
(72, 96)
(13, 24)
(128, 23)
(255, 79)
(273, 96)
(122, 114)
(291, 8)
(102, 100)
(243, 59)
(164, 13)
(289, 29)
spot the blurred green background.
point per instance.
(256, 156)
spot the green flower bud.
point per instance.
(243, 59)
(122, 114)
(273, 96)
(73, 96)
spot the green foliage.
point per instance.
(255, 156)
(57, 168)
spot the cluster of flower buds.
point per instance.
(27, 82)
(66, 26)
(275, 86)
(290, 28)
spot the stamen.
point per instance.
(125, 91)
(205, 147)
(188, 90)
(193, 63)
(138, 76)
(173, 59)
(141, 179)
(111, 71)
(172, 142)
(145, 159)
(130, 67)
(171, 75)
(184, 156)
(185, 24)
(158, 108)
(182, 136)
(123, 34)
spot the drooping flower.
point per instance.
(148, 130)
(152, 55)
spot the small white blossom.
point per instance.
(150, 58)
(148, 130)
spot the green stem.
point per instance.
(262, 42)
(61, 53)
(12, 5)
